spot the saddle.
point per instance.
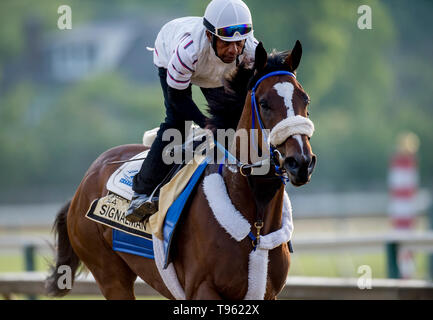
(120, 182)
(136, 238)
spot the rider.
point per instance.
(191, 50)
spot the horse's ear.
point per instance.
(294, 58)
(261, 57)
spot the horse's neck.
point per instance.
(248, 200)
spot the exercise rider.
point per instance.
(191, 50)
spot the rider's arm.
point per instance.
(179, 71)
(182, 101)
(182, 64)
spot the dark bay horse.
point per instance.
(209, 263)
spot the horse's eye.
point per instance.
(264, 105)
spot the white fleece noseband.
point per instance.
(289, 127)
(293, 124)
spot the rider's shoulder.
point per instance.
(189, 21)
(183, 29)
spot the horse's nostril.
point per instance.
(312, 162)
(292, 163)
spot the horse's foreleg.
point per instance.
(205, 291)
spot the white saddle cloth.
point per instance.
(120, 181)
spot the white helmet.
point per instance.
(229, 20)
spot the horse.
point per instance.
(208, 262)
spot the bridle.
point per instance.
(283, 130)
(275, 154)
(279, 133)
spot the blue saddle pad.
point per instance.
(125, 242)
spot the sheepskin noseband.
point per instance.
(285, 128)
(289, 127)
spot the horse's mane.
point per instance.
(226, 106)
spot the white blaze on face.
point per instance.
(285, 90)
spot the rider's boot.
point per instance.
(141, 206)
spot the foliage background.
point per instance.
(366, 86)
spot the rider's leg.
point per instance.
(153, 169)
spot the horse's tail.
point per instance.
(62, 276)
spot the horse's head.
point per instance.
(282, 106)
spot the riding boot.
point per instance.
(141, 206)
(152, 172)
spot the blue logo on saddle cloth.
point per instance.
(127, 177)
(140, 246)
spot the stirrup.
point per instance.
(145, 209)
(150, 206)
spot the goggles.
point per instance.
(230, 31)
